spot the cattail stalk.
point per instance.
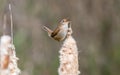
(69, 56)
(8, 59)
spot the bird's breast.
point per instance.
(62, 33)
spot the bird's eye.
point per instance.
(62, 21)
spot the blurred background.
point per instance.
(96, 28)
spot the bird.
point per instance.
(61, 30)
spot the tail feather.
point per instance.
(48, 30)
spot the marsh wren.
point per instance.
(60, 32)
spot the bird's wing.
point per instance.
(55, 32)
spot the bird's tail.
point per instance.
(47, 30)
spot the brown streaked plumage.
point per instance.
(60, 32)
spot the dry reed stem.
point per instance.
(69, 56)
(8, 59)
